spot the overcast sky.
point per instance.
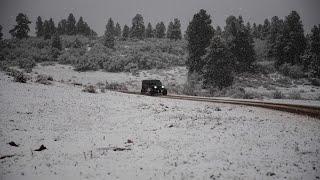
(96, 12)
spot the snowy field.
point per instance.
(118, 136)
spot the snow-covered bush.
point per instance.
(27, 64)
(293, 71)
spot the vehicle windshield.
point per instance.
(155, 83)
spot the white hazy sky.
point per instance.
(96, 12)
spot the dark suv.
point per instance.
(152, 87)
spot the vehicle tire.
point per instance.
(149, 91)
(164, 92)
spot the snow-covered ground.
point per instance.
(119, 136)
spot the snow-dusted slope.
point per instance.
(88, 136)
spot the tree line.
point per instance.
(70, 26)
(216, 55)
(139, 31)
(213, 52)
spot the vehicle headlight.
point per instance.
(155, 87)
(162, 86)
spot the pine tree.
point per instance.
(109, 40)
(240, 42)
(62, 27)
(255, 32)
(118, 30)
(199, 33)
(266, 29)
(260, 31)
(1, 34)
(22, 28)
(52, 27)
(81, 27)
(170, 30)
(110, 27)
(291, 43)
(39, 27)
(314, 51)
(109, 34)
(138, 28)
(176, 32)
(71, 25)
(276, 29)
(218, 31)
(315, 40)
(125, 32)
(218, 71)
(149, 31)
(248, 26)
(56, 42)
(46, 30)
(160, 30)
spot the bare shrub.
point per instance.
(278, 95)
(20, 77)
(293, 71)
(17, 75)
(27, 64)
(294, 95)
(90, 89)
(252, 95)
(44, 79)
(284, 81)
(116, 86)
(48, 63)
(315, 81)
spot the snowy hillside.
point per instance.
(113, 135)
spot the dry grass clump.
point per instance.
(90, 89)
(278, 95)
(17, 75)
(116, 86)
(44, 79)
(295, 95)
